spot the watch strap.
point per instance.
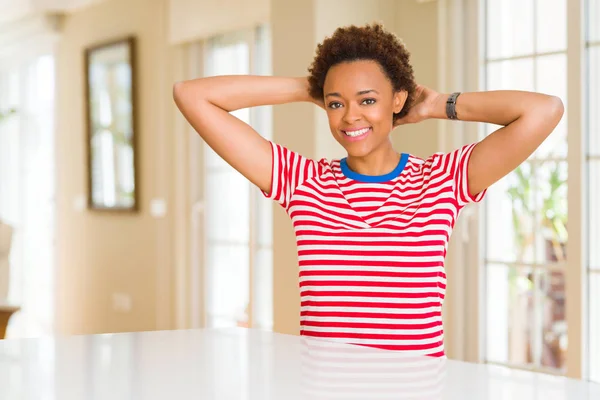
(451, 105)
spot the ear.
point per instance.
(399, 100)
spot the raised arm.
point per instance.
(206, 103)
(527, 119)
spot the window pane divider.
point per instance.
(525, 56)
(575, 277)
(594, 271)
(515, 264)
(537, 161)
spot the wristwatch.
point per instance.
(451, 105)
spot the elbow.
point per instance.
(556, 108)
(178, 89)
(548, 111)
(183, 95)
(188, 93)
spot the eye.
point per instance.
(334, 105)
(369, 101)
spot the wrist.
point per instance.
(438, 110)
(303, 90)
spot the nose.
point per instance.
(352, 114)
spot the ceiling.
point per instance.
(11, 10)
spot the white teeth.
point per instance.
(357, 133)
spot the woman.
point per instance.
(372, 229)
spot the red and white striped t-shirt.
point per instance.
(371, 249)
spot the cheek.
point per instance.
(382, 115)
(334, 119)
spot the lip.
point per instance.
(357, 138)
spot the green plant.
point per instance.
(6, 114)
(520, 194)
(550, 215)
(539, 207)
(532, 217)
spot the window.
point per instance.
(526, 213)
(593, 178)
(27, 191)
(238, 222)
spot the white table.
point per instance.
(249, 364)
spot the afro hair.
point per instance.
(357, 43)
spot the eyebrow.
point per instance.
(360, 93)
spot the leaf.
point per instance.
(7, 113)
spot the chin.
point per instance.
(359, 151)
(360, 148)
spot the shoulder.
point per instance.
(295, 161)
(424, 165)
(442, 162)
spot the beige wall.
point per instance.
(417, 25)
(193, 19)
(293, 27)
(100, 254)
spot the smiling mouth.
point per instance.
(357, 133)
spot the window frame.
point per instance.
(575, 273)
(191, 271)
(584, 67)
(31, 217)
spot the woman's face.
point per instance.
(360, 103)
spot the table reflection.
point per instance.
(249, 364)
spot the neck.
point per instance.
(379, 162)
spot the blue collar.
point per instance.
(348, 173)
